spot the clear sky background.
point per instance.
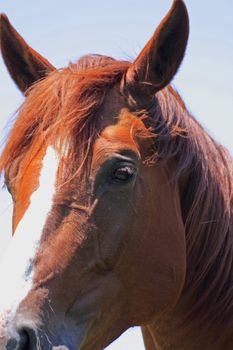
(62, 31)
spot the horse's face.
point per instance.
(103, 251)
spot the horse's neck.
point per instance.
(203, 317)
(197, 322)
(165, 337)
(162, 340)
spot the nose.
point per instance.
(26, 340)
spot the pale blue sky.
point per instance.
(65, 30)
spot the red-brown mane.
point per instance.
(207, 210)
(72, 97)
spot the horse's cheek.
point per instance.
(153, 270)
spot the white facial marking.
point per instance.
(17, 265)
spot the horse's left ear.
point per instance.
(160, 59)
(24, 64)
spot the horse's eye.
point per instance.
(124, 173)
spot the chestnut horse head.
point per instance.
(97, 164)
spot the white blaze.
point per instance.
(17, 265)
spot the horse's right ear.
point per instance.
(24, 64)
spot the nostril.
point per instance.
(24, 342)
(27, 340)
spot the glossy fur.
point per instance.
(153, 248)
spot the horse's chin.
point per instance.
(84, 337)
(92, 337)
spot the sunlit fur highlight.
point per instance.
(63, 108)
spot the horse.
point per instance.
(122, 204)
